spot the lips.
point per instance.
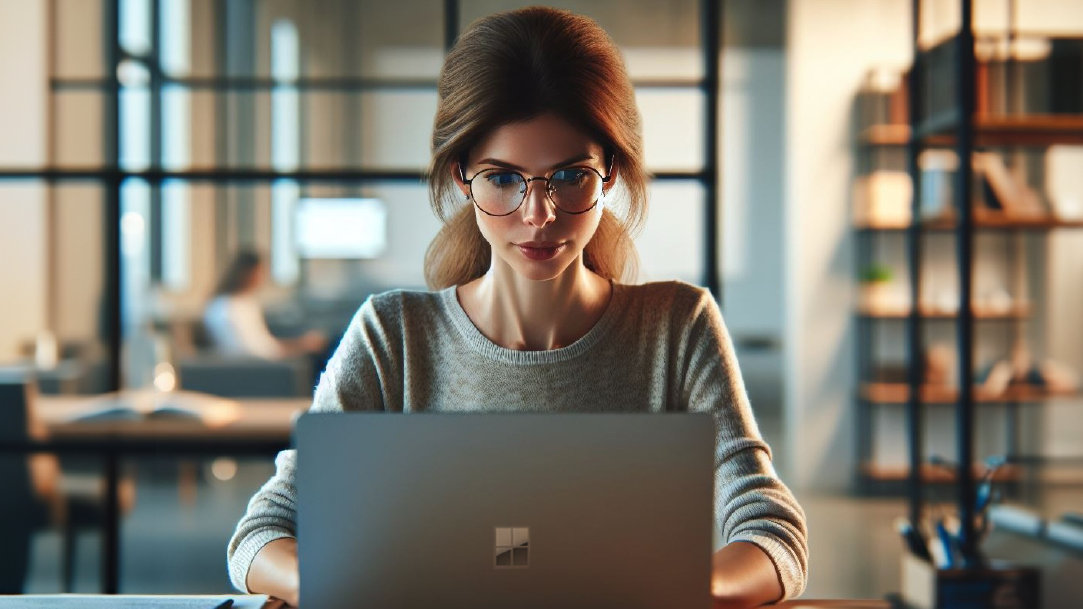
(540, 250)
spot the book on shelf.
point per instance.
(882, 98)
(1023, 75)
(1004, 190)
(1066, 76)
(1011, 76)
(938, 168)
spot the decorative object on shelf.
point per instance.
(938, 169)
(1064, 181)
(942, 300)
(879, 294)
(940, 366)
(882, 199)
(1050, 376)
(997, 301)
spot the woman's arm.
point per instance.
(751, 504)
(274, 571)
(262, 553)
(742, 576)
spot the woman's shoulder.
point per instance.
(405, 299)
(671, 295)
(394, 306)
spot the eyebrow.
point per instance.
(569, 161)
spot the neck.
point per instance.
(522, 314)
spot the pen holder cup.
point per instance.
(998, 586)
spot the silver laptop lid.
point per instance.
(505, 510)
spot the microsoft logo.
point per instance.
(512, 548)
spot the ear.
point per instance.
(458, 173)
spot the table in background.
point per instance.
(220, 426)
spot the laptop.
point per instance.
(532, 511)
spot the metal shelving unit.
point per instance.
(962, 129)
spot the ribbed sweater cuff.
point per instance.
(246, 551)
(787, 566)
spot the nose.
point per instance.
(537, 209)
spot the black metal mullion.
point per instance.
(155, 69)
(111, 534)
(352, 117)
(451, 23)
(964, 420)
(864, 353)
(221, 123)
(915, 367)
(711, 34)
(52, 243)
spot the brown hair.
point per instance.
(239, 272)
(514, 66)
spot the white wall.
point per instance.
(23, 274)
(830, 46)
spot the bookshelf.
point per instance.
(894, 143)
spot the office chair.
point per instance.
(24, 510)
(21, 512)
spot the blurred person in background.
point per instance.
(234, 322)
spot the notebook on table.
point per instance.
(473, 511)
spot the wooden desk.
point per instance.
(90, 601)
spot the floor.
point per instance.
(176, 544)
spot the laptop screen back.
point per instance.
(505, 510)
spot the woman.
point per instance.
(535, 127)
(234, 320)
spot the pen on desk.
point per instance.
(947, 543)
(226, 604)
(913, 539)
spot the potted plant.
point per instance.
(875, 293)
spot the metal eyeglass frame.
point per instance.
(548, 186)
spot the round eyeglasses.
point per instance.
(499, 192)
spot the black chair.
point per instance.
(22, 511)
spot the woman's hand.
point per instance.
(743, 576)
(274, 571)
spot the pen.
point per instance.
(226, 604)
(913, 539)
(947, 543)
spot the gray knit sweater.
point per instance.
(657, 347)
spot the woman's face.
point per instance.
(537, 241)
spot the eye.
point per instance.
(504, 179)
(570, 177)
